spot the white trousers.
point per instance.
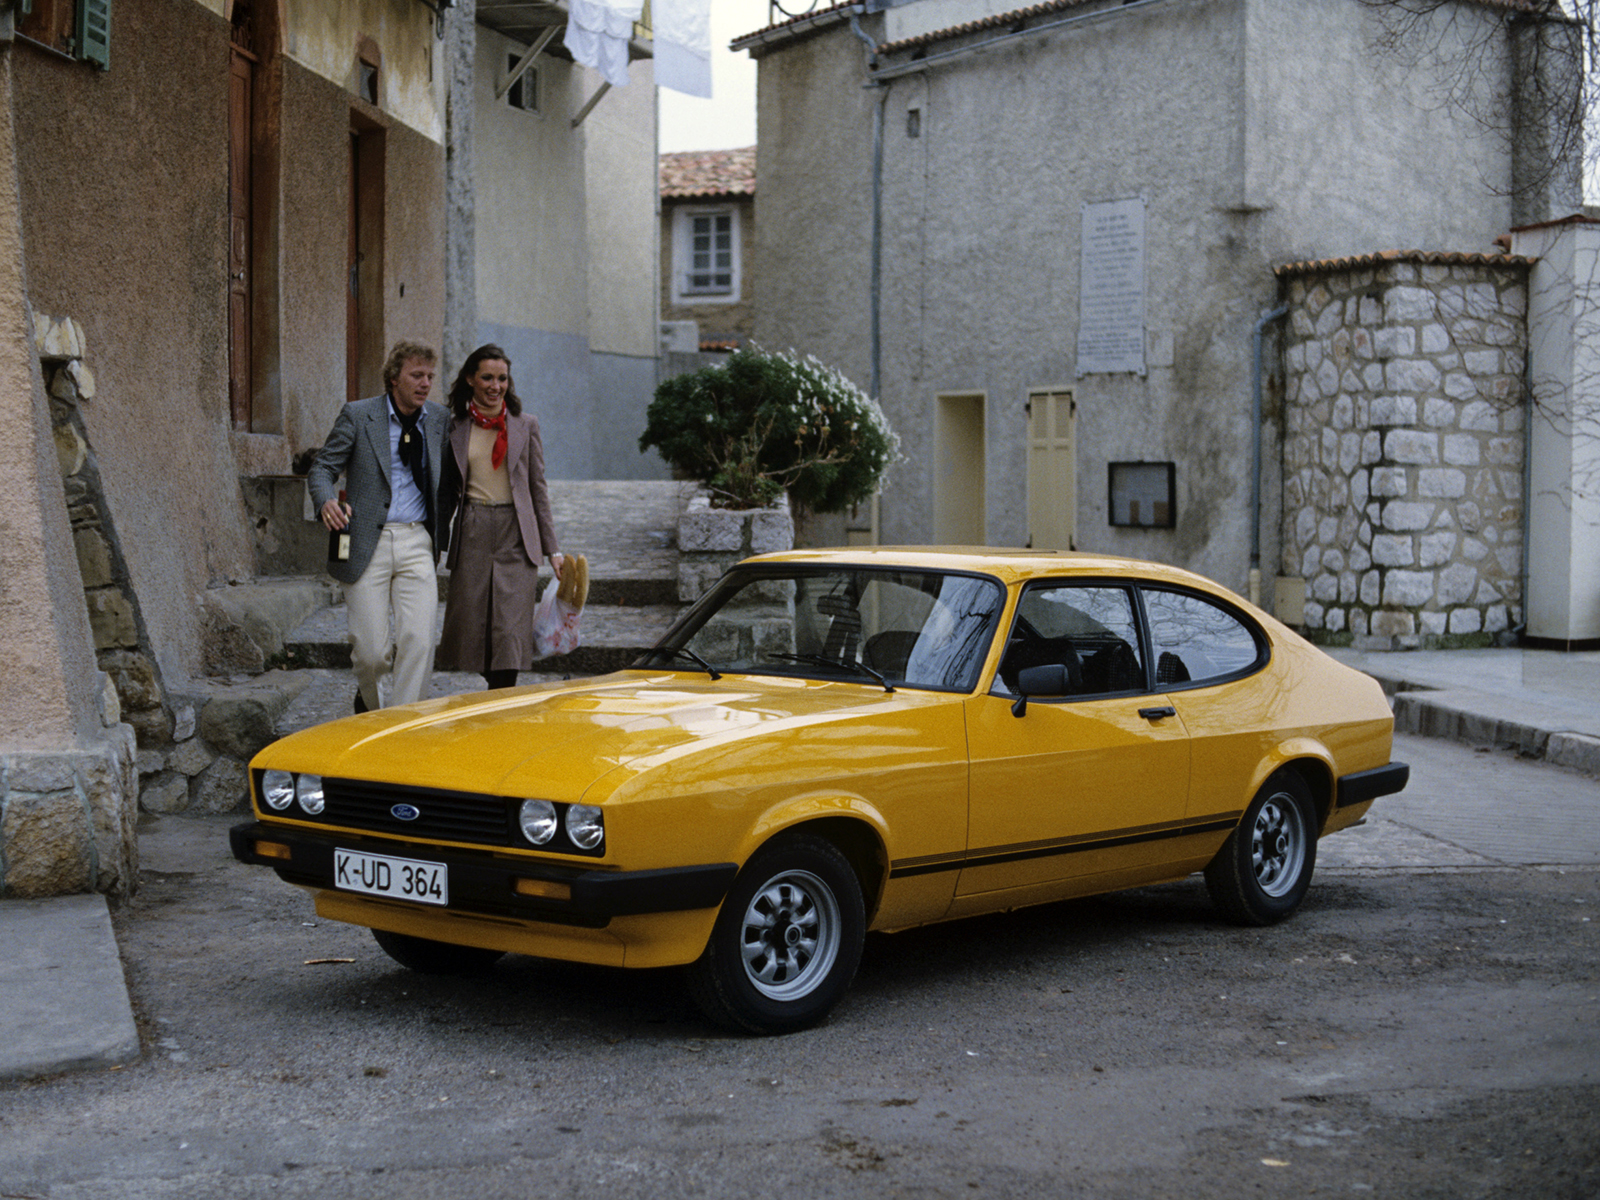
(400, 576)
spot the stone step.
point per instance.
(628, 591)
(613, 636)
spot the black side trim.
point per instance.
(1369, 785)
(989, 858)
(485, 883)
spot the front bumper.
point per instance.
(485, 883)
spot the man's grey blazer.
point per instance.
(358, 449)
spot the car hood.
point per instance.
(557, 739)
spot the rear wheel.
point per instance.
(787, 941)
(428, 957)
(1261, 874)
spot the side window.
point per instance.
(1195, 639)
(1088, 629)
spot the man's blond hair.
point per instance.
(403, 353)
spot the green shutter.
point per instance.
(94, 32)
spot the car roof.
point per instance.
(1009, 565)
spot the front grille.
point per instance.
(448, 816)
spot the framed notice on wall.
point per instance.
(1144, 494)
(1111, 289)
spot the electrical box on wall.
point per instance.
(1144, 494)
(1289, 600)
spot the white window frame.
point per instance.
(683, 254)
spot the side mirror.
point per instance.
(1049, 680)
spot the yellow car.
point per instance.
(830, 742)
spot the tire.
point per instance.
(787, 941)
(428, 957)
(1261, 874)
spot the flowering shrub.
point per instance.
(764, 424)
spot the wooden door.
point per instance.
(1052, 478)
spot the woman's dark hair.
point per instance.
(461, 389)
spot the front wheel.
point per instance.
(787, 941)
(1261, 874)
(428, 957)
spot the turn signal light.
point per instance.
(544, 888)
(272, 850)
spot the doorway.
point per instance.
(959, 513)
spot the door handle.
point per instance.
(1155, 714)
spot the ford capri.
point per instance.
(831, 742)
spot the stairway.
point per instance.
(628, 532)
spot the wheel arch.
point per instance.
(1317, 775)
(1310, 761)
(858, 840)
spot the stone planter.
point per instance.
(710, 540)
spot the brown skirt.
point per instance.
(488, 614)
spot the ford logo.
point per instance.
(405, 812)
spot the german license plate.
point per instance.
(399, 878)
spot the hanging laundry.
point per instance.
(597, 35)
(683, 45)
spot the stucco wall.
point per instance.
(619, 159)
(1255, 130)
(124, 219)
(566, 273)
(315, 187)
(124, 186)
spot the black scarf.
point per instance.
(413, 449)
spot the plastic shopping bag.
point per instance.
(555, 619)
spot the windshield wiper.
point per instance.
(823, 661)
(690, 654)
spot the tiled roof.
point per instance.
(841, 7)
(691, 173)
(1017, 19)
(1432, 258)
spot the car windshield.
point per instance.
(917, 629)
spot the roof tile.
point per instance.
(693, 173)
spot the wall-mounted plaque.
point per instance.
(1111, 289)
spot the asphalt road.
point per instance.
(1427, 1026)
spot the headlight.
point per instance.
(308, 790)
(277, 789)
(538, 821)
(586, 826)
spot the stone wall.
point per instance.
(710, 540)
(1403, 447)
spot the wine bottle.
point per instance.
(339, 539)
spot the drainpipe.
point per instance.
(877, 202)
(1520, 630)
(1257, 337)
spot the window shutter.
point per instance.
(94, 32)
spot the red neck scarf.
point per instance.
(498, 424)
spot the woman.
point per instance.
(494, 485)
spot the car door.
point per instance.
(1208, 656)
(1071, 786)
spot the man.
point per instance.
(390, 450)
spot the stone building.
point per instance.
(1056, 239)
(215, 218)
(707, 233)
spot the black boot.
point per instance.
(500, 679)
(361, 702)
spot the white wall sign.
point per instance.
(1111, 294)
